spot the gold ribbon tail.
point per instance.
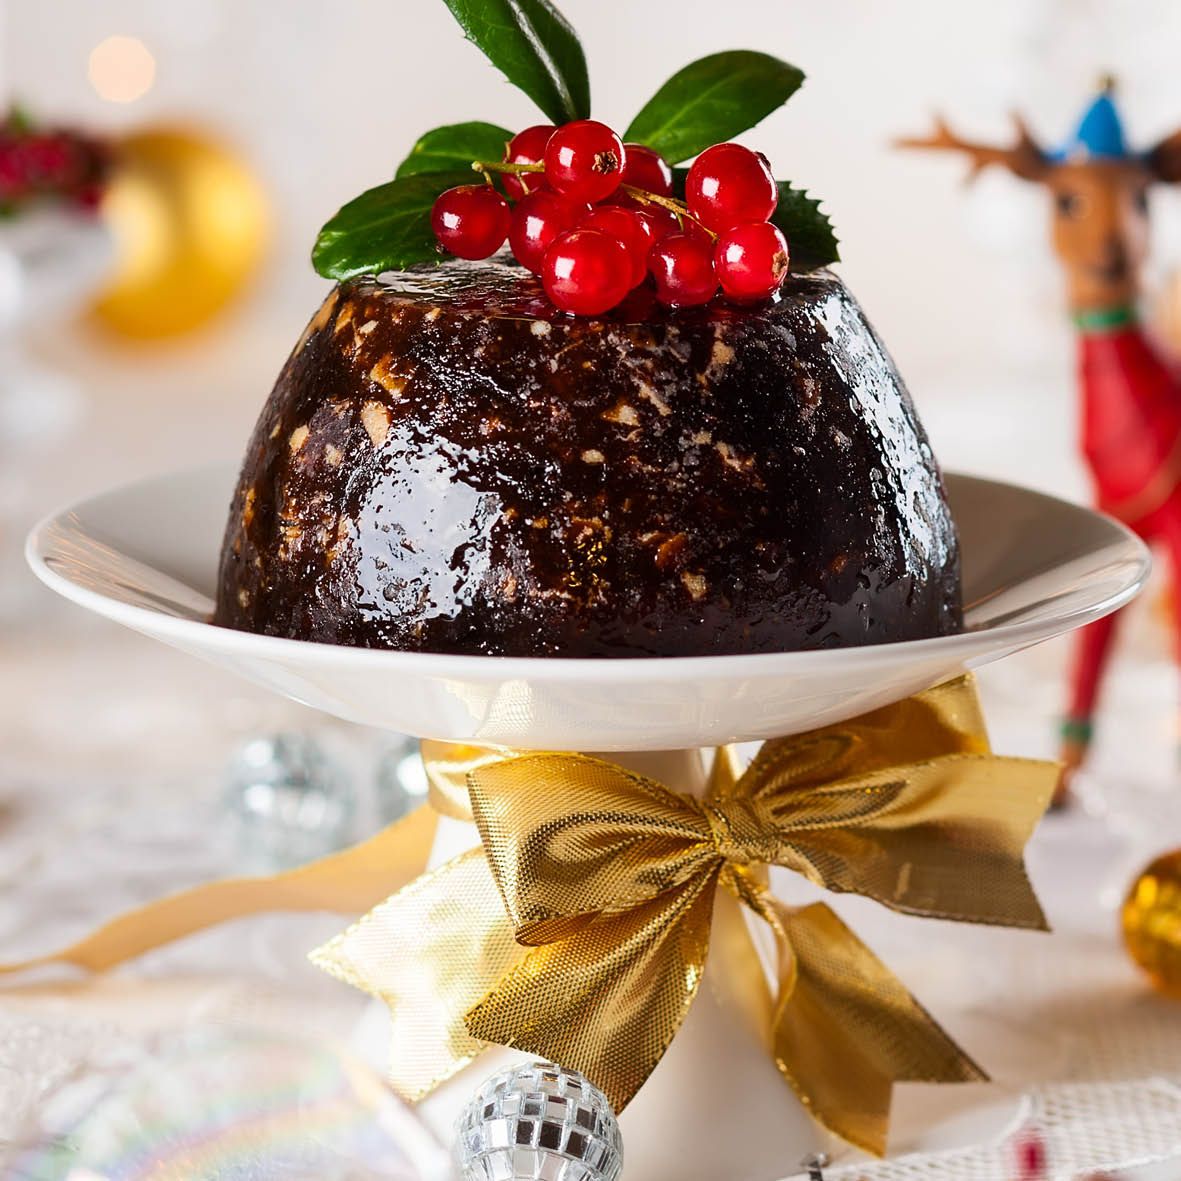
(845, 1029)
(347, 882)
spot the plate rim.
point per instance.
(209, 636)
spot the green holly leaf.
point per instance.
(19, 121)
(810, 236)
(712, 100)
(455, 146)
(531, 43)
(384, 229)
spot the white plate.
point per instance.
(146, 556)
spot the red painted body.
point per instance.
(1131, 440)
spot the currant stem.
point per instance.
(678, 207)
(642, 195)
(487, 166)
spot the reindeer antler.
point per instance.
(1164, 160)
(1025, 158)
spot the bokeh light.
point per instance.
(122, 69)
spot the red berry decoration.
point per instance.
(586, 272)
(645, 169)
(526, 147)
(683, 268)
(13, 181)
(471, 221)
(751, 261)
(660, 219)
(694, 228)
(537, 220)
(584, 159)
(631, 228)
(728, 185)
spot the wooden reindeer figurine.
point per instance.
(1130, 398)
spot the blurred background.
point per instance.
(157, 324)
(319, 100)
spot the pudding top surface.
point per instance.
(499, 289)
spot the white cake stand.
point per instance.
(1034, 567)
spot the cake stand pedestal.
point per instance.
(715, 1083)
(716, 1108)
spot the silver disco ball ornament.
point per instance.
(541, 1123)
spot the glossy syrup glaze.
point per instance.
(448, 464)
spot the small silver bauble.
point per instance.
(538, 1122)
(287, 801)
(816, 1163)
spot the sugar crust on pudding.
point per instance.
(447, 463)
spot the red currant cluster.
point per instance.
(37, 163)
(595, 217)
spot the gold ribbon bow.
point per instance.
(580, 930)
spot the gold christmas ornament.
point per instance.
(1152, 922)
(190, 222)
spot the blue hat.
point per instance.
(1100, 132)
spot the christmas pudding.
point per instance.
(659, 428)
(450, 464)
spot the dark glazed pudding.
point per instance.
(449, 464)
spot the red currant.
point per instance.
(654, 223)
(728, 185)
(683, 268)
(526, 147)
(48, 158)
(661, 220)
(631, 228)
(645, 169)
(694, 228)
(659, 225)
(586, 272)
(537, 220)
(89, 197)
(471, 221)
(751, 260)
(584, 159)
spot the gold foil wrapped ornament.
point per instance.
(1152, 922)
(190, 222)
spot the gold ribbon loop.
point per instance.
(571, 836)
(608, 1000)
(430, 952)
(448, 764)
